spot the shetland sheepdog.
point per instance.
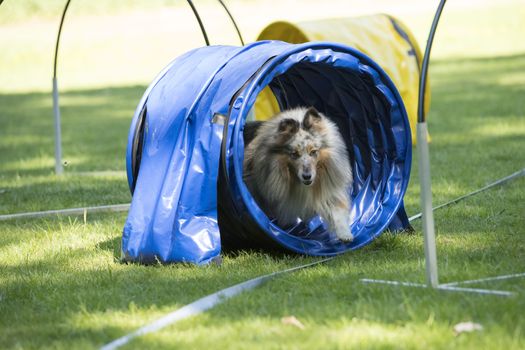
(296, 166)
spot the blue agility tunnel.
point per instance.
(186, 148)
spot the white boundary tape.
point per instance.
(495, 183)
(202, 305)
(448, 287)
(70, 211)
(488, 279)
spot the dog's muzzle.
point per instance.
(307, 179)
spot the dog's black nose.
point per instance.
(307, 177)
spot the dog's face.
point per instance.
(301, 146)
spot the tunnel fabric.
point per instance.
(209, 92)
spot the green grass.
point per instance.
(95, 125)
(62, 285)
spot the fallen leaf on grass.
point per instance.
(292, 320)
(467, 327)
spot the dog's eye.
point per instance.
(314, 153)
(295, 155)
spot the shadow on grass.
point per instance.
(467, 92)
(113, 246)
(95, 125)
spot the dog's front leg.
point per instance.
(338, 219)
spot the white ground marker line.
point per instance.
(394, 283)
(441, 287)
(501, 181)
(70, 211)
(201, 305)
(488, 279)
(502, 293)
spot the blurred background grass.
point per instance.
(122, 42)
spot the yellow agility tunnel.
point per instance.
(382, 37)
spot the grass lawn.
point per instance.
(62, 285)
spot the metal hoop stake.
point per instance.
(426, 206)
(424, 164)
(59, 169)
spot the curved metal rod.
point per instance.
(56, 104)
(233, 21)
(196, 13)
(424, 68)
(58, 39)
(189, 2)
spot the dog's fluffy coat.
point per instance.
(297, 166)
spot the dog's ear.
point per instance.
(288, 126)
(311, 117)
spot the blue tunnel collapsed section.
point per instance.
(186, 148)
